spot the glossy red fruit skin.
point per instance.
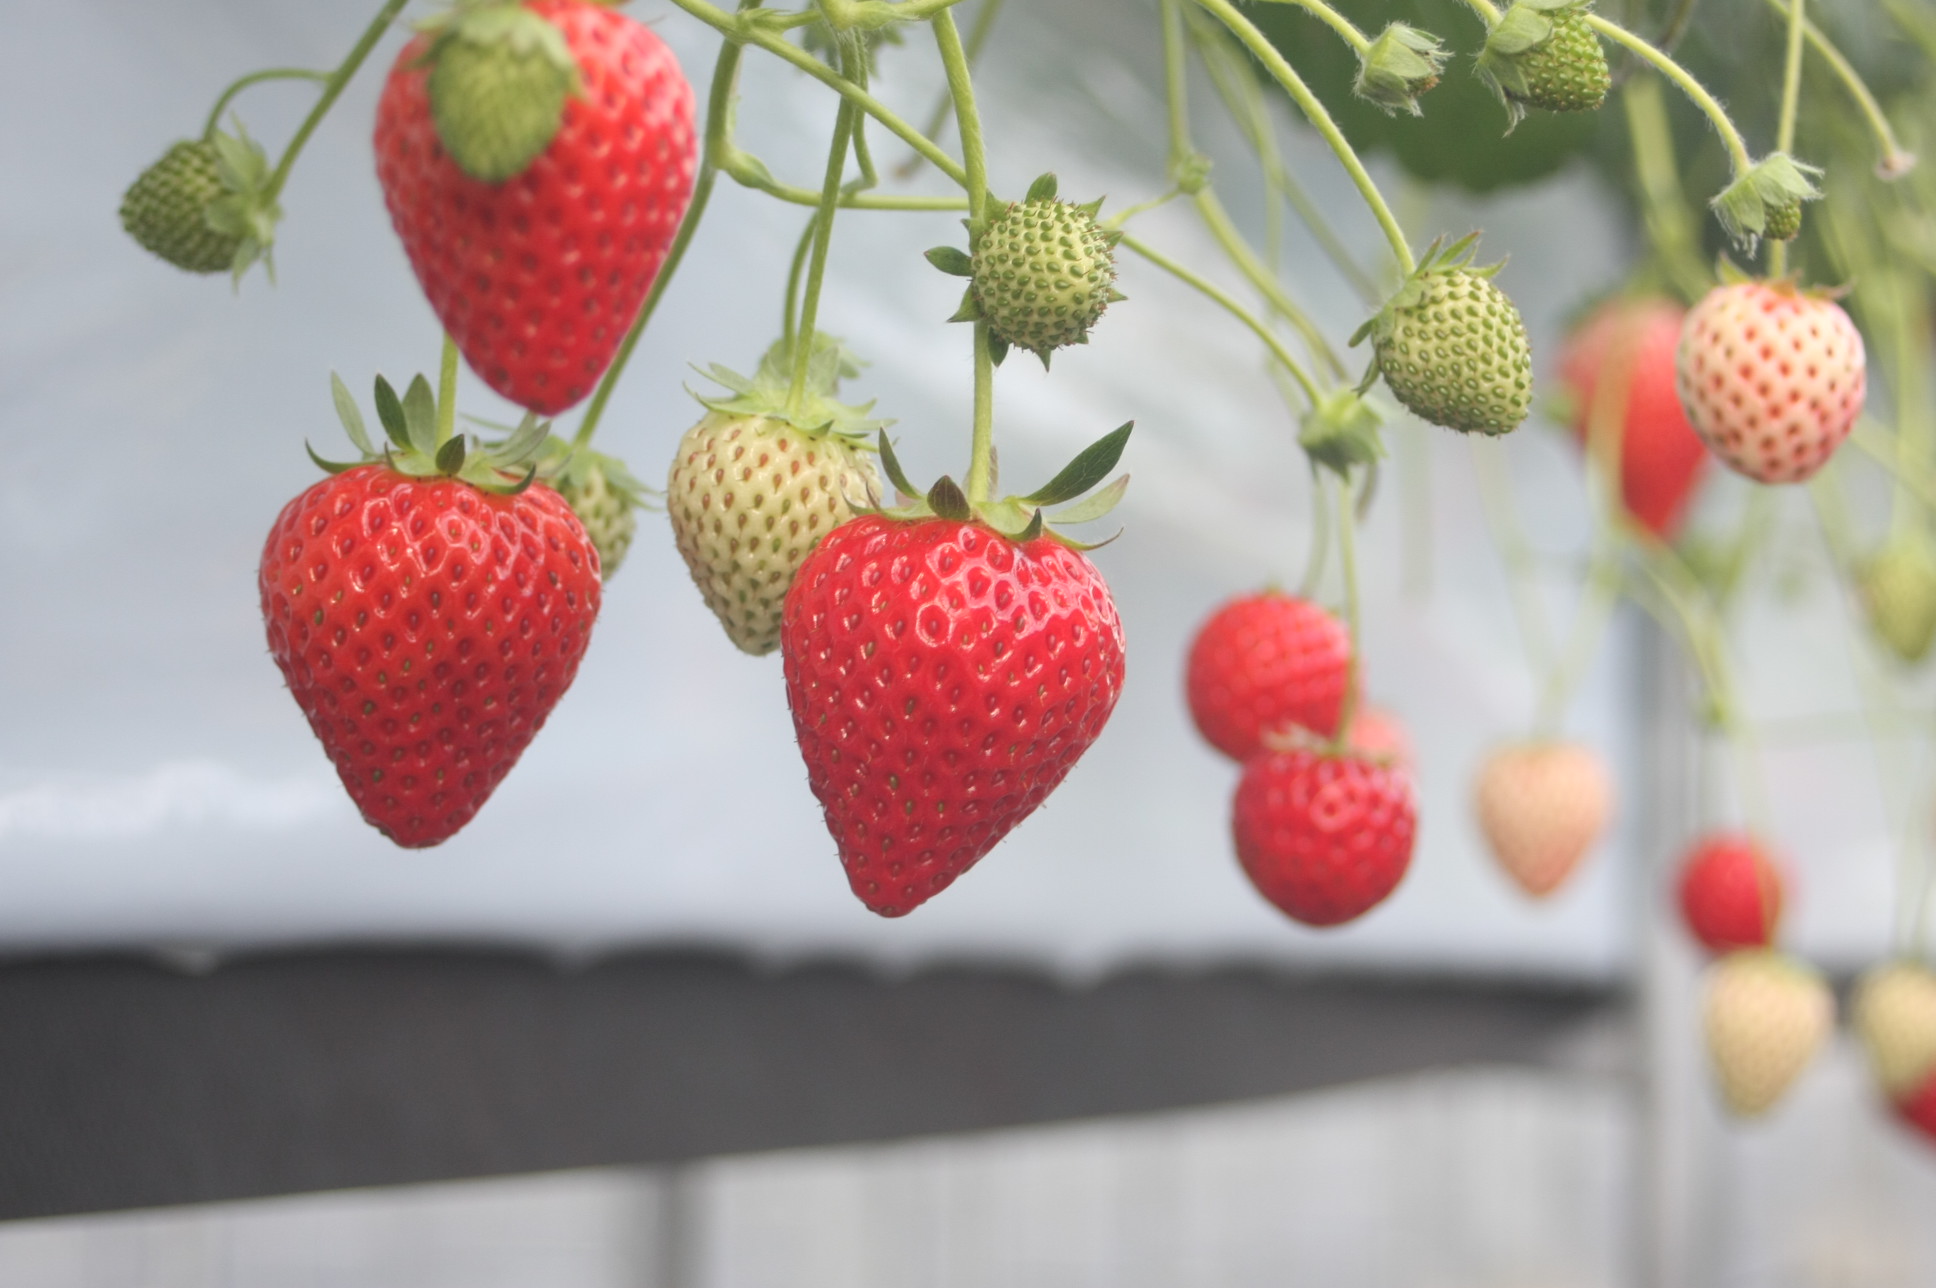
(943, 680)
(538, 279)
(1265, 662)
(1731, 894)
(426, 629)
(1662, 459)
(1918, 1109)
(1324, 838)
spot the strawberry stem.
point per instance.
(1895, 161)
(254, 78)
(1319, 552)
(332, 89)
(961, 88)
(1670, 227)
(1314, 110)
(1515, 551)
(823, 235)
(447, 392)
(944, 108)
(1791, 94)
(1738, 159)
(1348, 566)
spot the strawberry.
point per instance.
(1765, 1015)
(1772, 378)
(539, 277)
(602, 493)
(1895, 1015)
(1918, 1109)
(1453, 347)
(1898, 590)
(1542, 806)
(761, 480)
(205, 207)
(1542, 53)
(1731, 893)
(943, 678)
(1266, 662)
(1661, 457)
(1380, 735)
(428, 609)
(1325, 837)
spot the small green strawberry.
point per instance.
(1041, 273)
(1543, 54)
(601, 492)
(762, 478)
(1898, 588)
(1452, 346)
(1784, 222)
(1401, 64)
(499, 79)
(205, 207)
(1766, 199)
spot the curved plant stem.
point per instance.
(1495, 501)
(1284, 74)
(1791, 97)
(823, 235)
(1896, 161)
(790, 315)
(1670, 226)
(1331, 18)
(978, 35)
(332, 89)
(254, 78)
(447, 391)
(1348, 568)
(1319, 552)
(961, 88)
(749, 172)
(742, 30)
(1486, 10)
(1738, 159)
(719, 124)
(1242, 314)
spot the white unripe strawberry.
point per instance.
(1766, 1016)
(1542, 806)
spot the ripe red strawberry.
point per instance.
(943, 680)
(1661, 457)
(1542, 806)
(426, 625)
(1919, 1108)
(539, 278)
(1266, 662)
(1378, 734)
(1766, 1015)
(1323, 837)
(1772, 378)
(1731, 893)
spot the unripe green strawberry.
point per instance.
(499, 78)
(1044, 271)
(204, 207)
(166, 209)
(1784, 222)
(1899, 591)
(1543, 54)
(601, 492)
(1453, 347)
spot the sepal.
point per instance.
(1773, 184)
(1402, 63)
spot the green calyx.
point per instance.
(601, 491)
(1766, 200)
(1452, 346)
(1898, 590)
(1040, 274)
(1402, 63)
(1023, 518)
(1543, 54)
(1341, 431)
(499, 79)
(421, 444)
(205, 206)
(816, 410)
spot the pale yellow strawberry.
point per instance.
(1766, 1016)
(1895, 1016)
(1542, 806)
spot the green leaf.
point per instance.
(450, 457)
(891, 465)
(1095, 505)
(1043, 189)
(952, 260)
(420, 416)
(346, 411)
(1090, 467)
(947, 500)
(328, 467)
(390, 411)
(970, 310)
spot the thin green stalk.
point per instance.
(1348, 567)
(254, 78)
(1319, 552)
(750, 172)
(1873, 442)
(1221, 227)
(823, 235)
(447, 391)
(765, 36)
(1791, 97)
(961, 88)
(978, 35)
(790, 319)
(1739, 160)
(718, 128)
(1284, 74)
(1896, 161)
(1485, 10)
(1670, 227)
(1331, 18)
(1602, 592)
(1495, 502)
(1242, 314)
(332, 89)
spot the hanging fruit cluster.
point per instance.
(949, 651)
